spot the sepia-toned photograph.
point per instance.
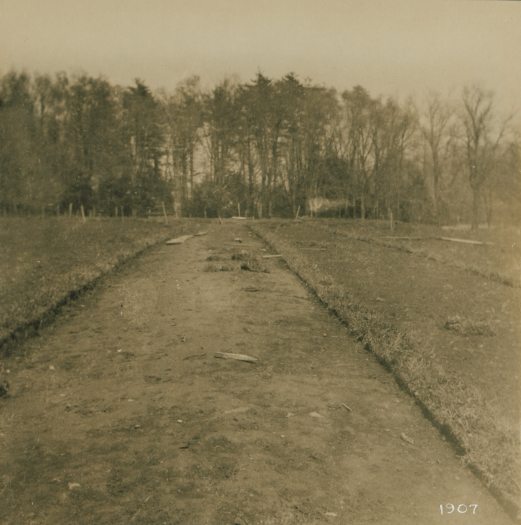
(260, 262)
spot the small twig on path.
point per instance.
(194, 356)
(140, 509)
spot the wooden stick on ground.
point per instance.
(466, 241)
(237, 357)
(404, 238)
(179, 240)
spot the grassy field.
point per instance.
(442, 315)
(498, 259)
(44, 261)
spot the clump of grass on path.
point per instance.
(249, 262)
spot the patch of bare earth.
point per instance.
(120, 412)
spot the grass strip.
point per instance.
(457, 409)
(495, 276)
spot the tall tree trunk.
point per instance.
(191, 168)
(476, 195)
(488, 200)
(435, 183)
(251, 175)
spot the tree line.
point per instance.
(268, 147)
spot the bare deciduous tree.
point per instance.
(435, 128)
(483, 136)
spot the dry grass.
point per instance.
(465, 326)
(384, 322)
(249, 262)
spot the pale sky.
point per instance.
(390, 47)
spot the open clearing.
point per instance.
(120, 413)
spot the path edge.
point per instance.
(508, 502)
(28, 329)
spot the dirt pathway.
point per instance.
(121, 414)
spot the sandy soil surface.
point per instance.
(120, 413)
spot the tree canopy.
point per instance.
(261, 148)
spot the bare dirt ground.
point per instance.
(119, 412)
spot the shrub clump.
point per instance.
(249, 262)
(464, 326)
